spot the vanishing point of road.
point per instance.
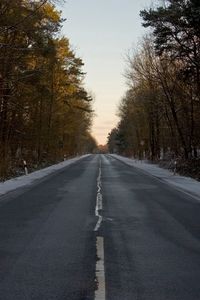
(99, 230)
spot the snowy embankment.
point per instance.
(13, 184)
(186, 184)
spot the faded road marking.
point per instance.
(100, 273)
(99, 204)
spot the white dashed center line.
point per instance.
(100, 271)
(99, 205)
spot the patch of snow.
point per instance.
(183, 183)
(21, 181)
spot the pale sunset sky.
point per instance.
(101, 32)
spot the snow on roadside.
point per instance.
(14, 183)
(186, 184)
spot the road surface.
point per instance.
(99, 229)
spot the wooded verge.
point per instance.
(160, 112)
(45, 111)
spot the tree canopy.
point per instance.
(160, 112)
(45, 110)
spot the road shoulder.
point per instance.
(187, 185)
(32, 178)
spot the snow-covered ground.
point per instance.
(186, 184)
(13, 184)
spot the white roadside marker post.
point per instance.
(25, 167)
(175, 167)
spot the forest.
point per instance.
(45, 111)
(159, 115)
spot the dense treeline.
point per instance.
(160, 112)
(45, 112)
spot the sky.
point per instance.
(102, 32)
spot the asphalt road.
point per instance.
(49, 236)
